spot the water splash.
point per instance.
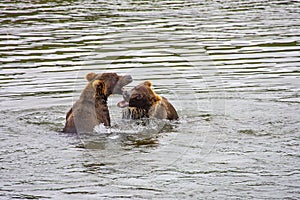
(131, 132)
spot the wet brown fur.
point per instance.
(145, 103)
(91, 108)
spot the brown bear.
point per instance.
(91, 109)
(143, 102)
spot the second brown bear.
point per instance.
(143, 102)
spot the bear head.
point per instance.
(142, 96)
(108, 83)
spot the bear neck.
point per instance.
(101, 99)
(153, 103)
(90, 96)
(101, 109)
(146, 107)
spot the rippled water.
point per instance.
(231, 69)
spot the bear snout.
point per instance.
(123, 80)
(128, 79)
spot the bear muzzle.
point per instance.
(123, 80)
(126, 97)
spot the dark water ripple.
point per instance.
(230, 68)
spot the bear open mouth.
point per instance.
(125, 102)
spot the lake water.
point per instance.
(230, 68)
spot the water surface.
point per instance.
(230, 68)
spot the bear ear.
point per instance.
(90, 76)
(99, 86)
(148, 83)
(157, 97)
